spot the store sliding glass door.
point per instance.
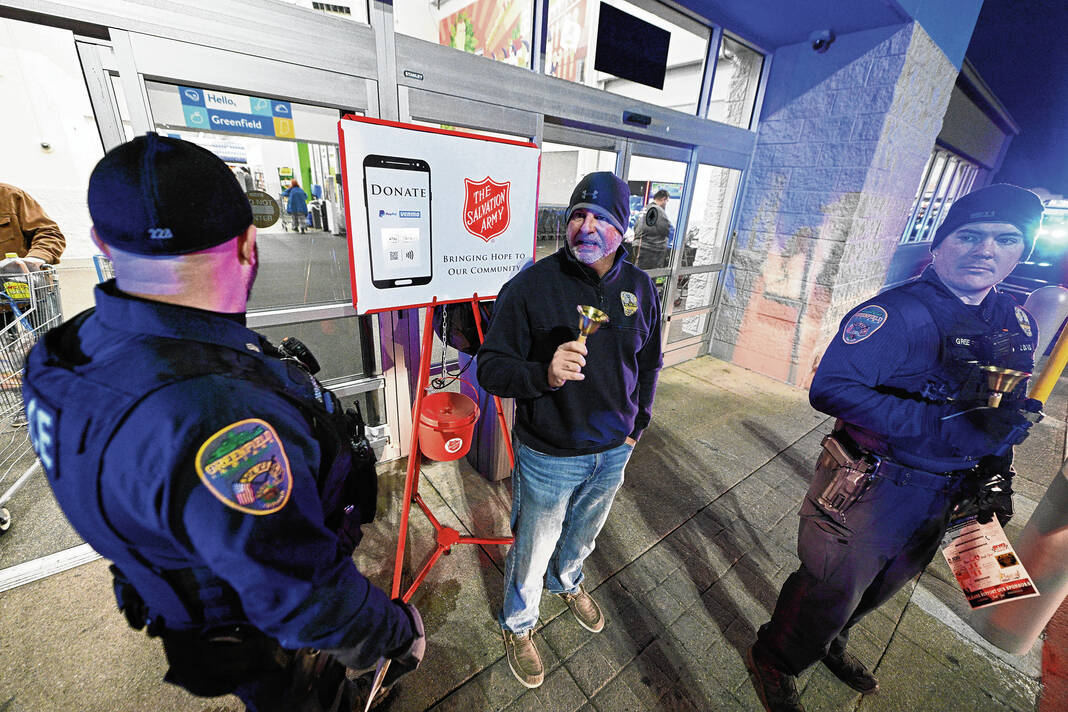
(275, 125)
(697, 199)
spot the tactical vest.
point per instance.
(967, 339)
(75, 407)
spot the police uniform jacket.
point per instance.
(899, 358)
(535, 313)
(205, 469)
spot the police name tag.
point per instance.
(984, 563)
(245, 466)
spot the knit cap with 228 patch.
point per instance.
(157, 195)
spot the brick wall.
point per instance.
(838, 157)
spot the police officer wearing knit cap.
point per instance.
(581, 408)
(904, 377)
(215, 474)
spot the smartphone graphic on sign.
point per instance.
(397, 196)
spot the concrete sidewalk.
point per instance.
(701, 537)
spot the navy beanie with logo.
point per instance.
(604, 194)
(999, 202)
(157, 195)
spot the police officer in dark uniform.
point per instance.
(651, 233)
(210, 467)
(915, 439)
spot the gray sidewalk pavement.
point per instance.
(702, 535)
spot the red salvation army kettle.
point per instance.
(446, 425)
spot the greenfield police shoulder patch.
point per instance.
(863, 324)
(1025, 323)
(246, 468)
(630, 303)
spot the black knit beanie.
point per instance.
(604, 194)
(1000, 202)
(157, 195)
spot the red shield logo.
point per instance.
(486, 209)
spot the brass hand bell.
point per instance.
(1001, 381)
(590, 320)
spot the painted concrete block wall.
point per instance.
(841, 146)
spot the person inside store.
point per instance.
(916, 443)
(651, 233)
(581, 408)
(27, 232)
(208, 465)
(297, 206)
(244, 177)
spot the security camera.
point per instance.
(46, 146)
(821, 40)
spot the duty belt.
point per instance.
(891, 469)
(901, 475)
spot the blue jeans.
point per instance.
(559, 505)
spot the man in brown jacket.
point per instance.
(26, 230)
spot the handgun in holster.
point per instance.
(853, 471)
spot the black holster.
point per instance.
(130, 602)
(853, 471)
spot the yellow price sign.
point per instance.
(17, 290)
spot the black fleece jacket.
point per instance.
(535, 313)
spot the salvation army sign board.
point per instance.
(433, 214)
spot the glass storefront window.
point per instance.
(710, 215)
(344, 347)
(570, 52)
(694, 291)
(735, 84)
(372, 406)
(946, 178)
(647, 177)
(687, 327)
(562, 166)
(269, 143)
(499, 30)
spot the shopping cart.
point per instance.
(104, 268)
(29, 306)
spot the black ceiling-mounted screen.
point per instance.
(630, 48)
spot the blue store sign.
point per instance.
(210, 110)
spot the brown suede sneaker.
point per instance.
(523, 657)
(586, 610)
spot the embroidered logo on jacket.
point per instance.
(863, 324)
(630, 303)
(246, 468)
(1025, 323)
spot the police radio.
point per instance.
(293, 349)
